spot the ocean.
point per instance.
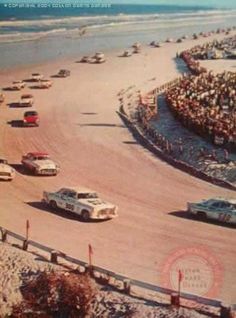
(33, 33)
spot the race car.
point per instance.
(17, 85)
(37, 77)
(39, 163)
(26, 100)
(85, 59)
(83, 202)
(31, 118)
(63, 73)
(220, 209)
(6, 171)
(44, 83)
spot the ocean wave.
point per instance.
(45, 21)
(71, 26)
(30, 36)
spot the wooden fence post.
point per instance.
(175, 299)
(25, 245)
(127, 286)
(54, 255)
(225, 311)
(4, 235)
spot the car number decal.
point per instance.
(70, 206)
(224, 217)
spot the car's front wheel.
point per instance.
(85, 215)
(201, 216)
(53, 204)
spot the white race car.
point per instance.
(27, 100)
(6, 171)
(220, 209)
(17, 85)
(82, 202)
(37, 77)
(44, 83)
(40, 164)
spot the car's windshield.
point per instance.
(89, 195)
(3, 161)
(43, 157)
(30, 114)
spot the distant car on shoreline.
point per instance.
(37, 77)
(221, 209)
(6, 171)
(83, 202)
(44, 83)
(63, 73)
(85, 59)
(126, 53)
(98, 58)
(39, 163)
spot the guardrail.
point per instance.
(106, 276)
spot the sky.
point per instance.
(207, 3)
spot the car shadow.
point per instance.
(60, 212)
(19, 168)
(187, 215)
(16, 123)
(14, 105)
(30, 80)
(102, 125)
(9, 89)
(88, 113)
(37, 87)
(56, 76)
(130, 142)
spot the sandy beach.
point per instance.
(80, 129)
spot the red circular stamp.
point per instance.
(193, 270)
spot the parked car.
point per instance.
(6, 171)
(63, 73)
(27, 100)
(39, 163)
(83, 202)
(37, 77)
(17, 85)
(220, 209)
(31, 118)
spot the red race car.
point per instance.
(31, 118)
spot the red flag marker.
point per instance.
(180, 278)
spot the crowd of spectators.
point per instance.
(207, 104)
(193, 65)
